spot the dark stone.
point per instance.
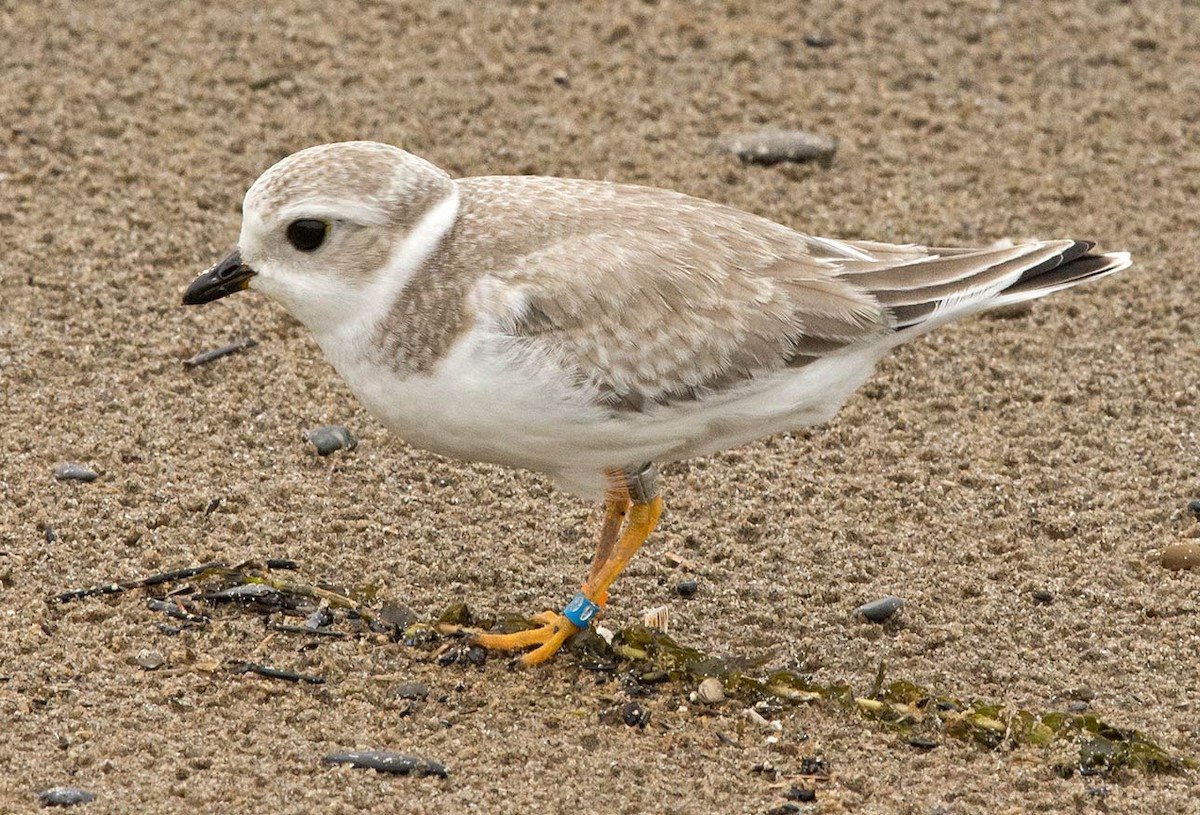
(412, 690)
(65, 797)
(331, 438)
(386, 762)
(687, 588)
(877, 611)
(75, 472)
(634, 715)
(802, 794)
(1042, 597)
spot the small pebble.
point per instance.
(1042, 597)
(801, 794)
(1181, 556)
(150, 660)
(634, 715)
(877, 611)
(774, 146)
(687, 588)
(1194, 508)
(784, 809)
(75, 472)
(386, 762)
(412, 690)
(711, 691)
(65, 797)
(819, 41)
(922, 743)
(331, 438)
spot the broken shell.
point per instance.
(658, 617)
(711, 691)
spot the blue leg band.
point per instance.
(581, 611)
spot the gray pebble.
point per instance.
(687, 588)
(150, 660)
(386, 762)
(879, 610)
(1042, 597)
(774, 146)
(75, 472)
(412, 690)
(65, 797)
(331, 438)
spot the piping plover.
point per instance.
(590, 330)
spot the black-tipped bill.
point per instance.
(226, 278)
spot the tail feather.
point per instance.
(995, 278)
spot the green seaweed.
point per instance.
(909, 709)
(653, 656)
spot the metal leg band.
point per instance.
(642, 483)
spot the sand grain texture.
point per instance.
(1053, 451)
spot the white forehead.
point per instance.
(360, 178)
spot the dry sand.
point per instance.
(1054, 451)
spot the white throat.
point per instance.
(342, 316)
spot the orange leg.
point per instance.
(612, 555)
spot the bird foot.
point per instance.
(549, 636)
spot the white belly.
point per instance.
(484, 402)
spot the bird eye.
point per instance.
(307, 234)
